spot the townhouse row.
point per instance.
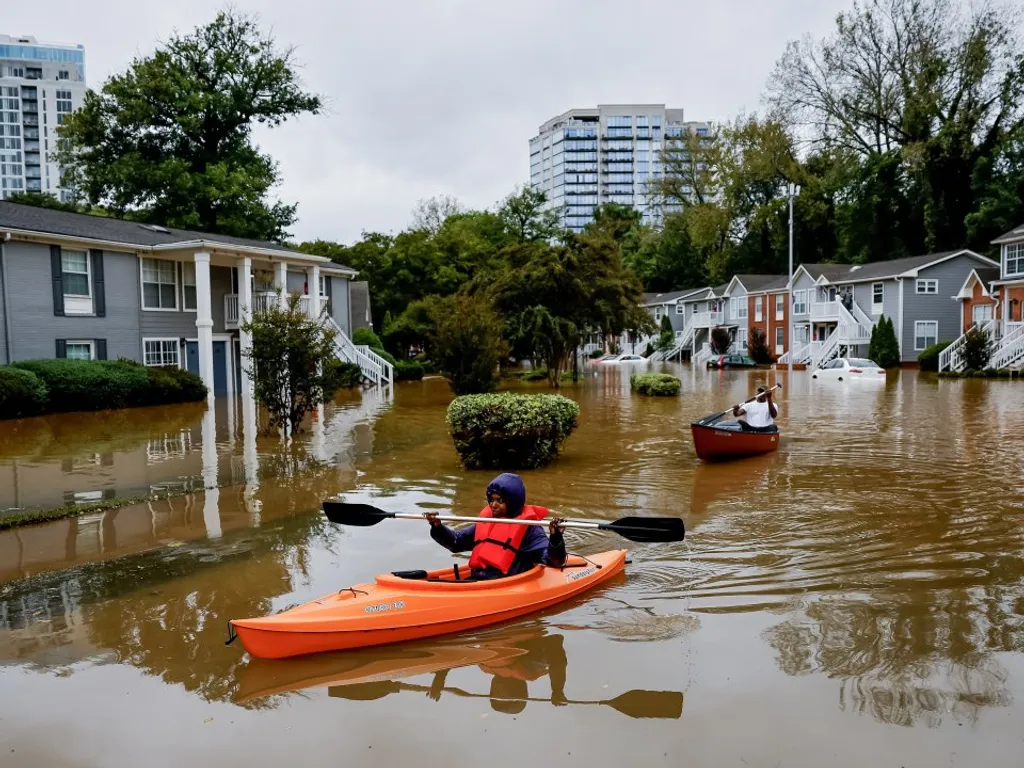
(91, 287)
(833, 308)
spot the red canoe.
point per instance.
(719, 442)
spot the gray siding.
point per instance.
(338, 286)
(3, 328)
(34, 327)
(181, 323)
(296, 281)
(862, 293)
(940, 307)
(803, 282)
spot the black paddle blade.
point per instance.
(362, 515)
(364, 691)
(639, 703)
(648, 529)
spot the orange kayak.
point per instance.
(398, 608)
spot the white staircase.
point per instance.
(374, 367)
(1011, 348)
(952, 357)
(703, 355)
(828, 349)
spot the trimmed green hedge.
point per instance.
(928, 360)
(408, 370)
(986, 373)
(504, 430)
(21, 393)
(662, 384)
(95, 385)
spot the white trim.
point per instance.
(780, 306)
(1003, 256)
(916, 334)
(184, 265)
(76, 303)
(901, 284)
(176, 340)
(142, 285)
(728, 288)
(965, 251)
(680, 308)
(926, 283)
(881, 305)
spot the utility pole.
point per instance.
(794, 190)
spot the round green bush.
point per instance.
(929, 358)
(21, 393)
(658, 384)
(504, 430)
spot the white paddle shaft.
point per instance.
(512, 520)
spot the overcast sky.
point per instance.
(428, 97)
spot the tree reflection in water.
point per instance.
(904, 663)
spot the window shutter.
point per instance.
(58, 281)
(100, 299)
(62, 348)
(101, 348)
(330, 295)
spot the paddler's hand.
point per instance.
(432, 519)
(556, 526)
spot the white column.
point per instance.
(204, 319)
(211, 494)
(250, 459)
(313, 281)
(245, 307)
(281, 281)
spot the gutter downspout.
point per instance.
(899, 282)
(7, 304)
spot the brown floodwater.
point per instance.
(856, 598)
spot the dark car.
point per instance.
(731, 361)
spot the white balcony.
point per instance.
(825, 311)
(708, 319)
(261, 301)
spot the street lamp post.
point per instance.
(794, 190)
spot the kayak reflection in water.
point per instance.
(502, 549)
(509, 692)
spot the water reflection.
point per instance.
(512, 659)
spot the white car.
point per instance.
(850, 369)
(626, 360)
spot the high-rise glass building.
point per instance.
(40, 83)
(587, 157)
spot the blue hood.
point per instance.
(511, 489)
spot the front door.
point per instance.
(220, 364)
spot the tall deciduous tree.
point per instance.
(170, 140)
(527, 217)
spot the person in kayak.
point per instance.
(760, 414)
(501, 549)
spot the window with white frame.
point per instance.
(78, 350)
(159, 284)
(877, 298)
(657, 313)
(680, 309)
(1013, 260)
(927, 286)
(780, 339)
(981, 313)
(160, 352)
(188, 285)
(76, 281)
(758, 308)
(800, 302)
(741, 338)
(802, 334)
(738, 307)
(323, 286)
(926, 333)
(780, 306)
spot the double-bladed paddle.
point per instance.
(636, 703)
(642, 529)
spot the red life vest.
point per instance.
(497, 544)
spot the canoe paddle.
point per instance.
(635, 703)
(642, 529)
(717, 416)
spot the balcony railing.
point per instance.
(824, 310)
(261, 302)
(708, 319)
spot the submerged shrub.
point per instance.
(505, 430)
(663, 384)
(21, 393)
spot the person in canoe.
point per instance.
(501, 549)
(760, 414)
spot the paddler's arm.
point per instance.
(453, 541)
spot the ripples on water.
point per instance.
(881, 546)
